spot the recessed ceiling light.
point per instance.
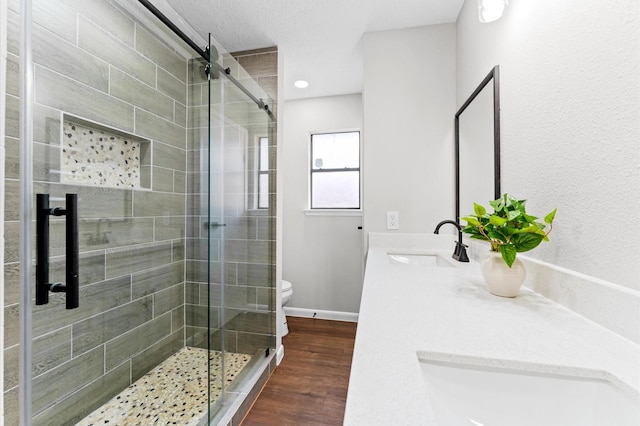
(301, 84)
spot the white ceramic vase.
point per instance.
(500, 279)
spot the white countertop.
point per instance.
(447, 313)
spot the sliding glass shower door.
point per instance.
(136, 201)
(109, 121)
(240, 232)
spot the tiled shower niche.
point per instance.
(97, 155)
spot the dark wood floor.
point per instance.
(310, 385)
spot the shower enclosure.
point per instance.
(167, 146)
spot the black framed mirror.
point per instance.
(477, 146)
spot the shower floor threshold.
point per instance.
(174, 392)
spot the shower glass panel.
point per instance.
(176, 263)
(240, 237)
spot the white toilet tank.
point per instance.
(287, 291)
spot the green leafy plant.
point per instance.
(509, 228)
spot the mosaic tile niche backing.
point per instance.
(99, 156)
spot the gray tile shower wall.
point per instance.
(93, 61)
(262, 66)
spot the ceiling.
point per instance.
(321, 40)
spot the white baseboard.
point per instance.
(279, 354)
(320, 314)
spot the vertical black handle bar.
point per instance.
(42, 249)
(73, 282)
(43, 286)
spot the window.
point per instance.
(335, 170)
(263, 173)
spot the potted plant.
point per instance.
(509, 230)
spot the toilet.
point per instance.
(287, 291)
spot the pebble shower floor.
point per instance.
(175, 392)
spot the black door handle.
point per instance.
(43, 286)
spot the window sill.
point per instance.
(332, 212)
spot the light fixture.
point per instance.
(491, 10)
(301, 84)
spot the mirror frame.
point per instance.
(494, 75)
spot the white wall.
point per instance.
(322, 255)
(570, 94)
(409, 108)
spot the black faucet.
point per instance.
(459, 254)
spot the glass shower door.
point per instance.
(109, 123)
(171, 174)
(241, 235)
(249, 212)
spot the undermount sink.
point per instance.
(465, 394)
(420, 259)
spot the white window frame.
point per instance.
(260, 172)
(346, 210)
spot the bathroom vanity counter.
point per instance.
(444, 313)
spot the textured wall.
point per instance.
(570, 92)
